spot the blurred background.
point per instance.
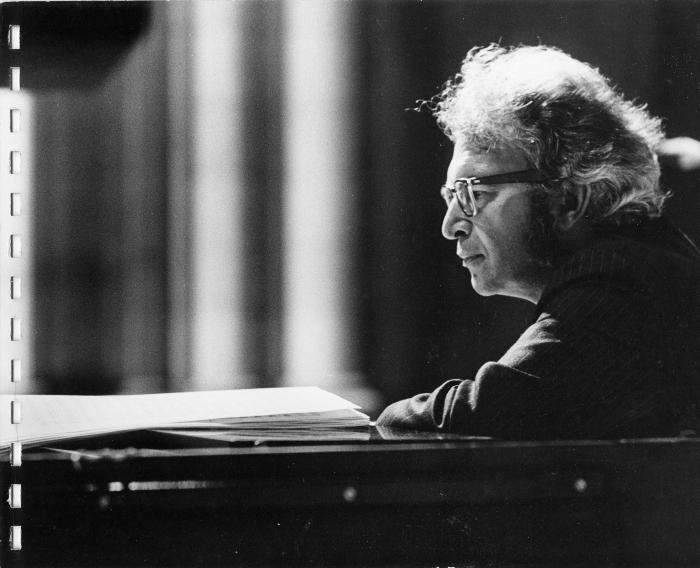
(238, 194)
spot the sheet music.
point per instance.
(52, 417)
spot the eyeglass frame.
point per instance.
(521, 176)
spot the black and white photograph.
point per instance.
(348, 283)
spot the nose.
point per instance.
(455, 225)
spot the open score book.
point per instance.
(267, 413)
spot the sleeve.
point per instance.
(501, 401)
(578, 371)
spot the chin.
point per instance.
(484, 288)
(492, 287)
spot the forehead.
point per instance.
(468, 162)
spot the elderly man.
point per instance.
(553, 196)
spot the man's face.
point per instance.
(493, 244)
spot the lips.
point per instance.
(472, 260)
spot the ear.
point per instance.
(568, 213)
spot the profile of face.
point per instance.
(495, 243)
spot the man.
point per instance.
(553, 197)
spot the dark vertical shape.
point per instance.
(402, 207)
(365, 156)
(70, 271)
(72, 51)
(178, 201)
(262, 157)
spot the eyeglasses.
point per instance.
(463, 189)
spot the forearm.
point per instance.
(500, 401)
(426, 411)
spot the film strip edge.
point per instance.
(11, 128)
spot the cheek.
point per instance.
(503, 235)
(515, 212)
(504, 239)
(512, 224)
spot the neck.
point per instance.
(532, 290)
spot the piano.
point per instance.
(390, 498)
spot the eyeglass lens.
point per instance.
(461, 191)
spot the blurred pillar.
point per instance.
(223, 194)
(141, 119)
(320, 201)
(215, 182)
